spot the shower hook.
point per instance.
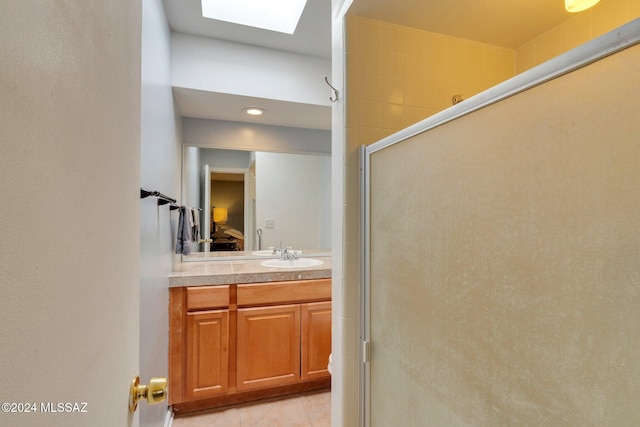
(335, 91)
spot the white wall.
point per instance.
(325, 202)
(344, 275)
(69, 177)
(160, 167)
(239, 69)
(191, 191)
(191, 177)
(293, 180)
(225, 159)
(252, 137)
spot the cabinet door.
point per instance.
(268, 346)
(316, 339)
(207, 354)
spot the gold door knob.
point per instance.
(154, 393)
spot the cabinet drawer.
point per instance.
(284, 292)
(207, 297)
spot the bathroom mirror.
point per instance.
(286, 196)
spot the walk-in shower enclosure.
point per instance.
(502, 252)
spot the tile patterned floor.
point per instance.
(303, 410)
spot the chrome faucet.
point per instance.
(289, 254)
(277, 250)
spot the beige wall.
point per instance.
(69, 179)
(397, 76)
(604, 17)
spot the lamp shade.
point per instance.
(220, 214)
(579, 5)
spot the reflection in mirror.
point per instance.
(252, 201)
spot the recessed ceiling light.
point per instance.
(579, 5)
(254, 111)
(274, 15)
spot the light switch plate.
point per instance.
(269, 223)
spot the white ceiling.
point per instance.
(224, 106)
(312, 35)
(502, 23)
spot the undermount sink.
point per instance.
(292, 263)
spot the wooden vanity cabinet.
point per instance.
(315, 339)
(198, 342)
(284, 332)
(207, 354)
(283, 344)
(235, 343)
(268, 346)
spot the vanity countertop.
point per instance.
(242, 271)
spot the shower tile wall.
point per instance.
(604, 17)
(398, 76)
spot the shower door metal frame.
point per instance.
(594, 50)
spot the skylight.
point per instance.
(274, 15)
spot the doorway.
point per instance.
(229, 213)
